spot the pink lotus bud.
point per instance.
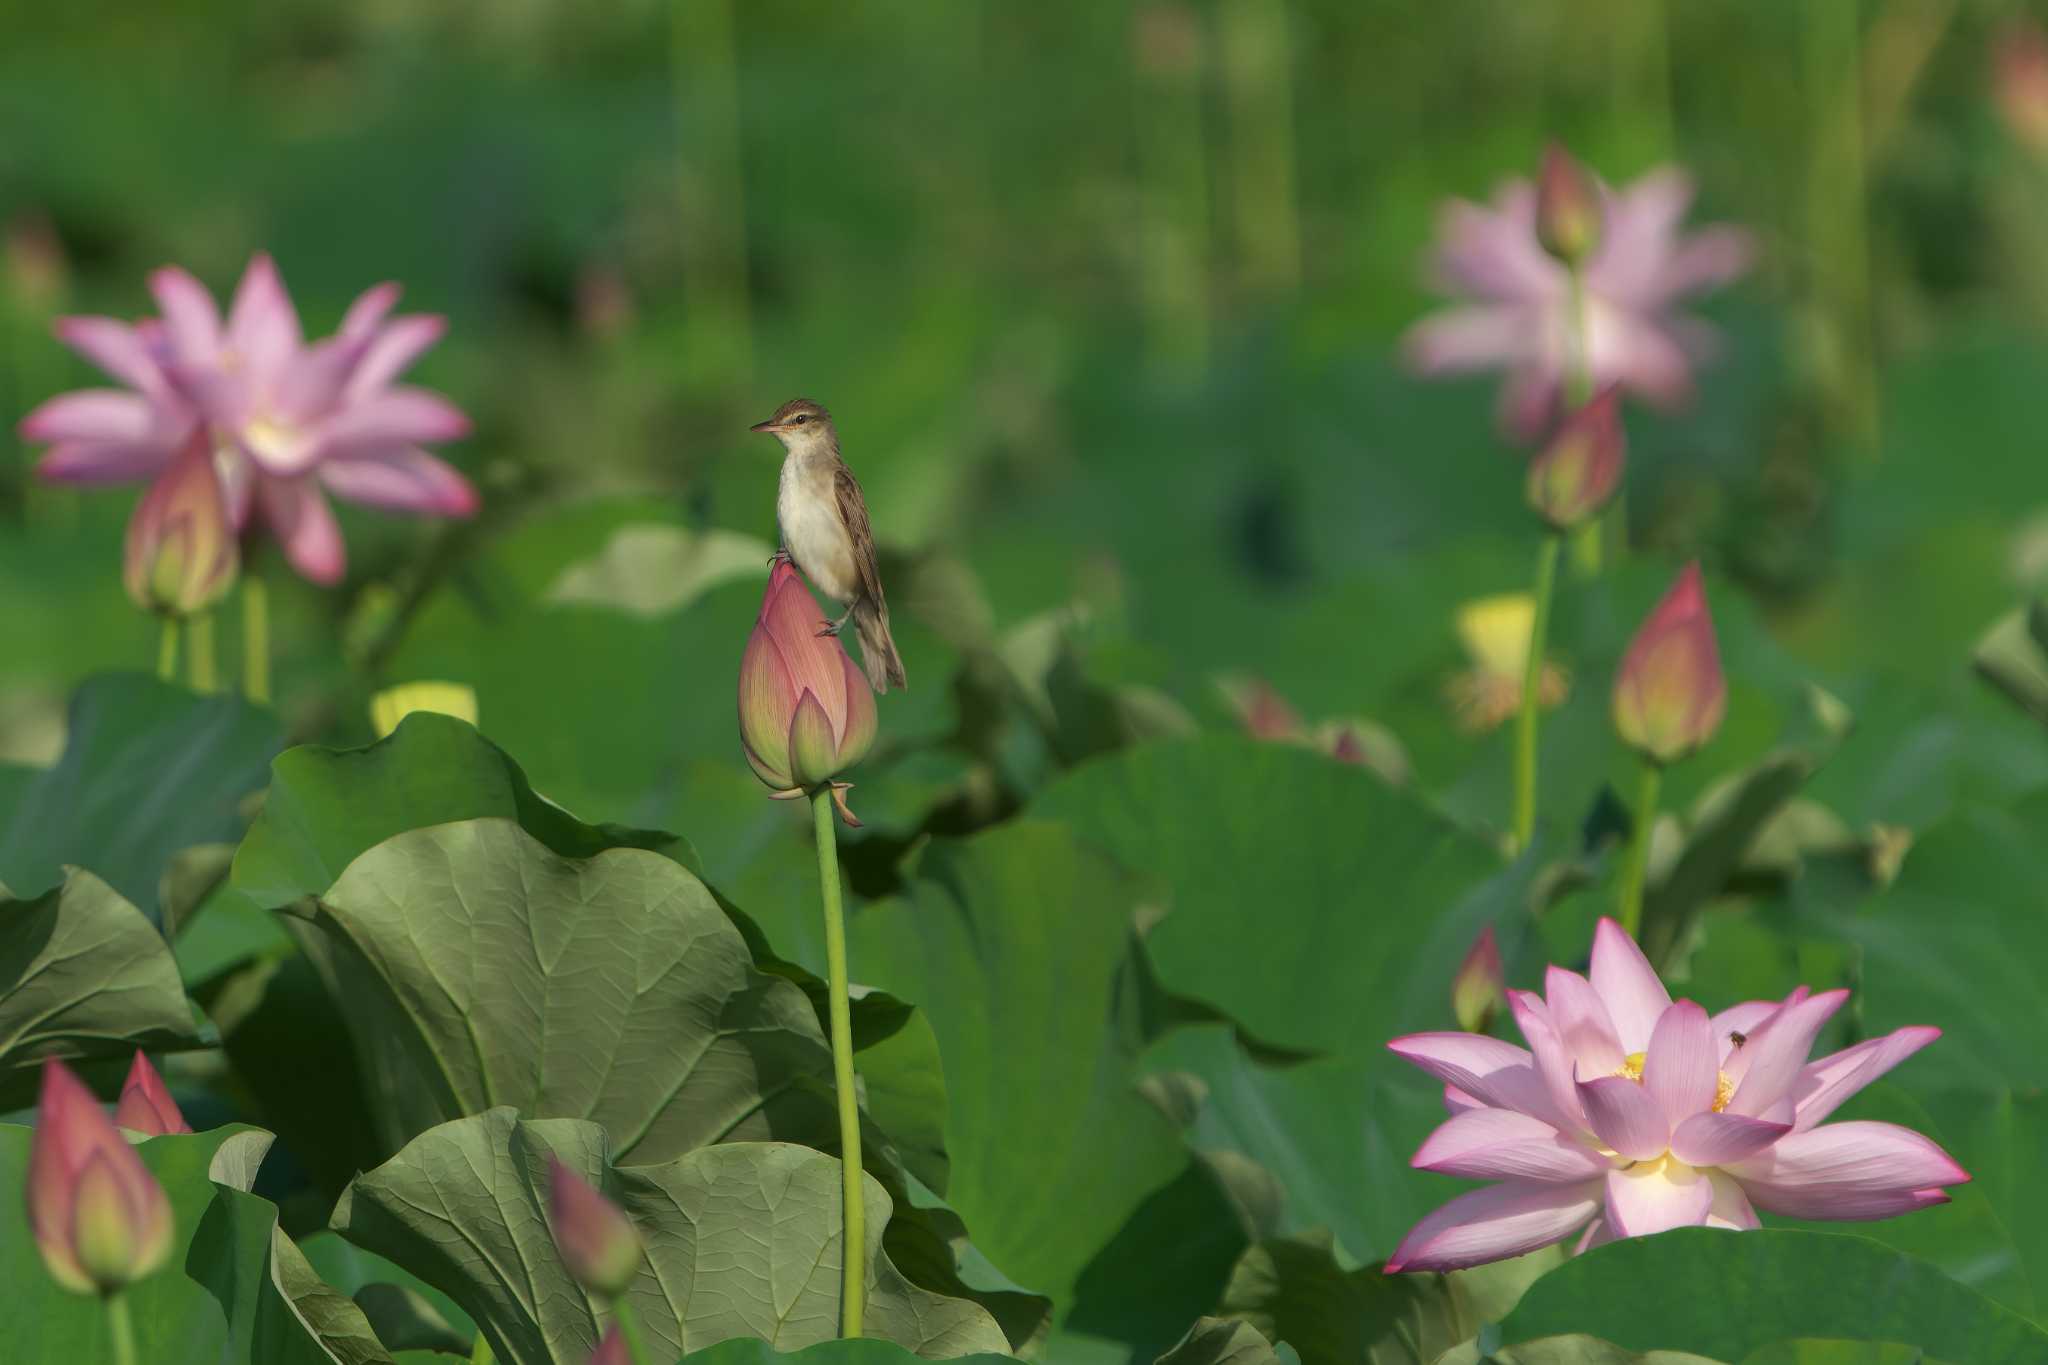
(1568, 211)
(2020, 81)
(1670, 692)
(181, 555)
(1260, 708)
(146, 1107)
(1573, 477)
(99, 1217)
(598, 1245)
(1479, 988)
(611, 1350)
(806, 712)
(36, 270)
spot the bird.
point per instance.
(825, 532)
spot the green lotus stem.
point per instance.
(629, 1329)
(255, 638)
(199, 652)
(1532, 685)
(167, 650)
(1578, 391)
(1636, 870)
(854, 1235)
(121, 1328)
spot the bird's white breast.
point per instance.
(807, 507)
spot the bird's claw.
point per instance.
(831, 628)
(780, 556)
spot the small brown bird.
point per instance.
(825, 530)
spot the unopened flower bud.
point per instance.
(181, 555)
(1670, 693)
(1575, 475)
(100, 1219)
(1479, 989)
(1568, 212)
(146, 1107)
(806, 712)
(598, 1245)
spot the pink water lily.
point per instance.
(1629, 1113)
(288, 421)
(1514, 310)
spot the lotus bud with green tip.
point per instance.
(181, 554)
(146, 1107)
(1670, 692)
(1479, 989)
(1575, 475)
(806, 712)
(598, 1245)
(100, 1219)
(1568, 209)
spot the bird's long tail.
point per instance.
(878, 656)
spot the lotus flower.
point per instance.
(1670, 693)
(146, 1107)
(1577, 472)
(1479, 985)
(99, 1217)
(598, 1245)
(286, 422)
(181, 555)
(1516, 308)
(1630, 1113)
(806, 711)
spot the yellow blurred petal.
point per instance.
(1495, 632)
(394, 704)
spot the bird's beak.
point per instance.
(771, 426)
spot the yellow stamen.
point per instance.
(1724, 1089)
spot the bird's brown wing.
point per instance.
(853, 509)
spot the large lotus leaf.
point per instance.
(1336, 1132)
(1225, 1341)
(1576, 1348)
(1724, 1294)
(1311, 902)
(148, 769)
(83, 974)
(1012, 943)
(326, 806)
(483, 969)
(287, 1040)
(221, 1300)
(741, 1240)
(1969, 1238)
(1958, 941)
(1294, 1289)
(847, 1351)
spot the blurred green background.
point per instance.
(1105, 298)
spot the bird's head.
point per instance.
(801, 425)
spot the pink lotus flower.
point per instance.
(146, 1106)
(287, 422)
(1629, 1114)
(99, 1217)
(1515, 313)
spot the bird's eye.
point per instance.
(801, 418)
